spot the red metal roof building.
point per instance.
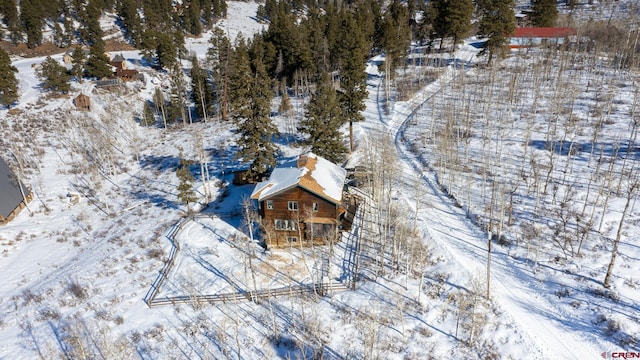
(535, 36)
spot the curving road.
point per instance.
(551, 334)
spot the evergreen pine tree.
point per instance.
(131, 22)
(288, 39)
(219, 8)
(148, 115)
(396, 36)
(77, 61)
(497, 21)
(15, 35)
(8, 81)
(270, 8)
(318, 45)
(353, 79)
(240, 78)
(54, 76)
(90, 30)
(322, 122)
(369, 17)
(177, 99)
(9, 11)
(544, 13)
(261, 14)
(185, 187)
(166, 51)
(148, 43)
(250, 94)
(58, 35)
(207, 14)
(285, 106)
(192, 19)
(97, 64)
(219, 56)
(69, 31)
(424, 29)
(200, 89)
(179, 41)
(32, 20)
(452, 18)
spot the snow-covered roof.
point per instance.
(118, 58)
(314, 174)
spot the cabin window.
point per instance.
(324, 231)
(293, 205)
(269, 204)
(292, 239)
(285, 225)
(315, 206)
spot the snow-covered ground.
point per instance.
(79, 262)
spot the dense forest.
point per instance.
(306, 46)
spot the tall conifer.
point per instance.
(178, 98)
(97, 64)
(8, 81)
(497, 21)
(32, 20)
(250, 94)
(54, 76)
(78, 59)
(322, 122)
(186, 194)
(219, 56)
(200, 89)
(451, 18)
(544, 13)
(352, 75)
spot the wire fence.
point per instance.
(321, 289)
(152, 300)
(166, 268)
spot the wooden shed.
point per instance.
(82, 102)
(14, 196)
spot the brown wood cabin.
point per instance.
(82, 102)
(302, 205)
(121, 71)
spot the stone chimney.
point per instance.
(302, 161)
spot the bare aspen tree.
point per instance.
(204, 166)
(237, 328)
(489, 238)
(594, 175)
(298, 219)
(606, 185)
(249, 218)
(633, 182)
(160, 104)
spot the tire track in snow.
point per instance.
(513, 289)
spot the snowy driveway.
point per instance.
(552, 334)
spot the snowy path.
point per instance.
(552, 334)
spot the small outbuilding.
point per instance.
(82, 102)
(14, 196)
(526, 37)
